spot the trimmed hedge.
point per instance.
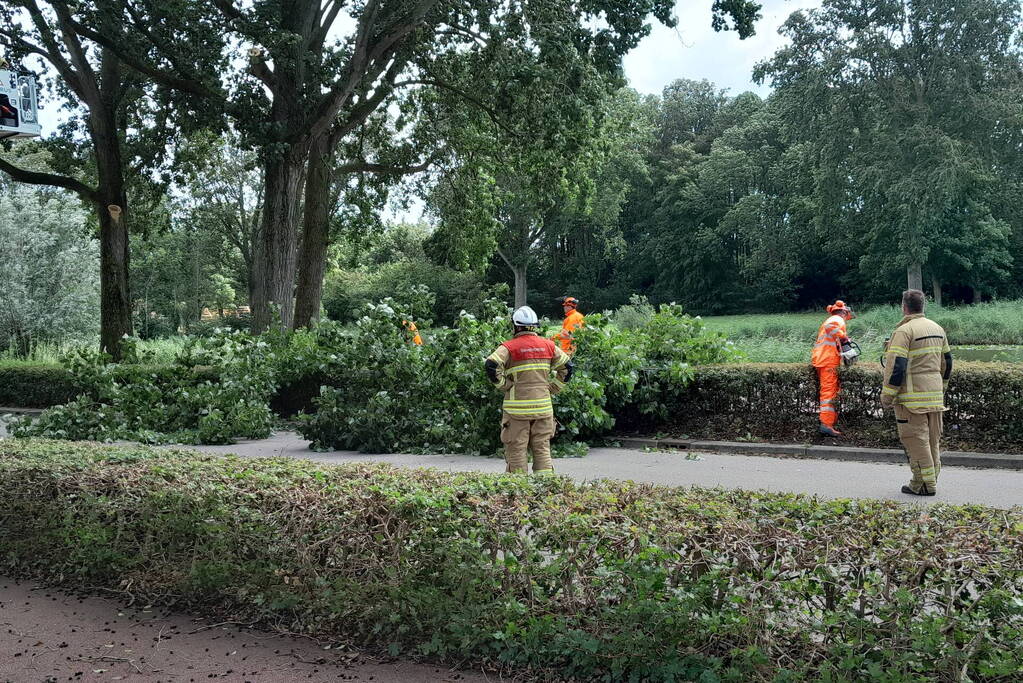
(45, 386)
(609, 581)
(36, 386)
(778, 402)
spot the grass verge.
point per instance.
(992, 323)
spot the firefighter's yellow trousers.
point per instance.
(920, 434)
(519, 435)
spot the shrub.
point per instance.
(779, 402)
(604, 580)
(634, 314)
(217, 390)
(385, 394)
(34, 385)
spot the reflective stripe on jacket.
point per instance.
(917, 365)
(523, 372)
(827, 350)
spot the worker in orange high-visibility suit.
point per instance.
(574, 320)
(412, 332)
(827, 356)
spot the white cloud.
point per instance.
(694, 50)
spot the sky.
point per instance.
(694, 50)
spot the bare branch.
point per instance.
(37, 178)
(355, 70)
(330, 13)
(386, 44)
(261, 70)
(229, 9)
(88, 80)
(500, 252)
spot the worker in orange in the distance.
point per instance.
(573, 321)
(826, 358)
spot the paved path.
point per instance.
(48, 636)
(826, 478)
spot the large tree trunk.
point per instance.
(978, 296)
(276, 249)
(937, 291)
(112, 210)
(115, 300)
(519, 269)
(914, 276)
(315, 234)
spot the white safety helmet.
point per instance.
(525, 317)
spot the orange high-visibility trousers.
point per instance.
(829, 388)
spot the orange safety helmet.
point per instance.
(839, 306)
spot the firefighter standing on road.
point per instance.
(574, 320)
(918, 364)
(827, 356)
(521, 367)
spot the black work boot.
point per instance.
(829, 431)
(922, 492)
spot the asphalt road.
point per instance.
(826, 478)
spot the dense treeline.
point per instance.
(327, 97)
(890, 151)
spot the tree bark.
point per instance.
(274, 257)
(914, 276)
(315, 234)
(115, 300)
(112, 209)
(519, 270)
(978, 296)
(937, 292)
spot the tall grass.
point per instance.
(162, 350)
(991, 323)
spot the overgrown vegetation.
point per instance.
(217, 390)
(592, 581)
(375, 390)
(364, 386)
(387, 395)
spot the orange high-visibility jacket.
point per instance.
(573, 321)
(414, 331)
(827, 351)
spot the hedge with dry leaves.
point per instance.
(600, 581)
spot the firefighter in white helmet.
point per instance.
(522, 368)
